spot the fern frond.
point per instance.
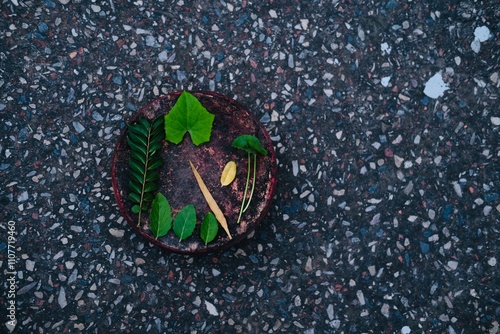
(144, 140)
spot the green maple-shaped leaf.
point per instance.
(188, 115)
(209, 228)
(160, 216)
(185, 222)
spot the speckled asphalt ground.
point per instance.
(386, 124)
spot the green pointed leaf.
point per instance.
(152, 176)
(134, 197)
(158, 123)
(160, 216)
(140, 157)
(136, 144)
(154, 147)
(157, 126)
(136, 165)
(209, 228)
(188, 115)
(148, 197)
(136, 208)
(250, 144)
(134, 175)
(150, 186)
(185, 222)
(138, 130)
(135, 187)
(155, 163)
(138, 137)
(145, 124)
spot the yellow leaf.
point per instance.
(228, 174)
(210, 201)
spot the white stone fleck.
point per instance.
(361, 34)
(475, 45)
(398, 139)
(61, 299)
(398, 160)
(405, 330)
(385, 81)
(96, 8)
(339, 192)
(375, 220)
(211, 308)
(308, 267)
(372, 270)
(304, 23)
(76, 228)
(116, 232)
(30, 265)
(361, 297)
(452, 265)
(435, 86)
(140, 31)
(59, 255)
(329, 311)
(23, 196)
(437, 160)
(78, 127)
(385, 48)
(291, 62)
(295, 167)
(482, 33)
(494, 77)
(273, 14)
(492, 261)
(495, 120)
(457, 188)
(412, 218)
(328, 92)
(385, 310)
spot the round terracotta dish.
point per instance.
(178, 184)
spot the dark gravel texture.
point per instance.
(386, 214)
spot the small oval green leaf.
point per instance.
(185, 222)
(209, 228)
(160, 216)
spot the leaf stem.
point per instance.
(253, 182)
(246, 189)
